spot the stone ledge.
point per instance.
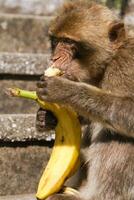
(10, 105)
(36, 7)
(21, 168)
(18, 197)
(19, 33)
(21, 128)
(23, 64)
(28, 16)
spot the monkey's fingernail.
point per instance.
(41, 84)
(42, 78)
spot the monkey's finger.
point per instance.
(42, 91)
(42, 78)
(40, 128)
(40, 124)
(41, 84)
(40, 117)
(41, 112)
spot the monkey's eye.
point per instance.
(84, 50)
(54, 42)
(67, 40)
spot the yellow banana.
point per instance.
(65, 153)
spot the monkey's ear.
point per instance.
(117, 32)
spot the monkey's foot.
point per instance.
(63, 197)
(70, 191)
(67, 193)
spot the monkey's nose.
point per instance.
(55, 58)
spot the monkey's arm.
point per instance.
(113, 110)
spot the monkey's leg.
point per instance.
(73, 197)
(63, 197)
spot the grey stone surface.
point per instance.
(21, 168)
(24, 33)
(15, 105)
(18, 197)
(22, 63)
(21, 127)
(37, 7)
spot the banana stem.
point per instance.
(16, 92)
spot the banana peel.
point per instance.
(64, 159)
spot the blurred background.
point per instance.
(24, 54)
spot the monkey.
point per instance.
(91, 47)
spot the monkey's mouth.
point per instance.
(64, 72)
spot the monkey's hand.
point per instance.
(56, 89)
(45, 120)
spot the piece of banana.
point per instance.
(52, 71)
(64, 158)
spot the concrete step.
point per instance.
(23, 63)
(21, 33)
(23, 154)
(24, 70)
(21, 166)
(18, 197)
(10, 105)
(36, 7)
(21, 127)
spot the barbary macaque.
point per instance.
(91, 47)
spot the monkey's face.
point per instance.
(71, 58)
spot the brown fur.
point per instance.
(92, 48)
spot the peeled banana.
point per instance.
(65, 153)
(52, 71)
